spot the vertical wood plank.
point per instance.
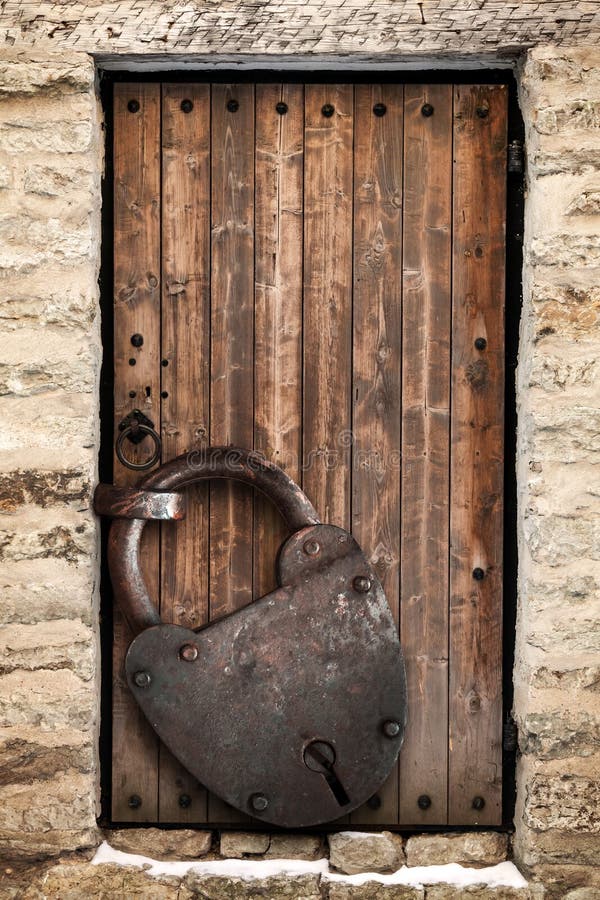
(137, 384)
(328, 301)
(232, 347)
(278, 305)
(426, 449)
(475, 711)
(185, 383)
(376, 365)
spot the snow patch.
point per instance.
(504, 874)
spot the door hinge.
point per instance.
(516, 157)
(510, 734)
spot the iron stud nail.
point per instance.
(132, 394)
(233, 105)
(482, 112)
(424, 801)
(478, 574)
(137, 340)
(361, 584)
(391, 728)
(480, 343)
(185, 801)
(281, 108)
(478, 803)
(134, 802)
(187, 106)
(427, 110)
(133, 106)
(374, 802)
(132, 361)
(164, 362)
(188, 652)
(258, 802)
(142, 679)
(312, 548)
(164, 394)
(380, 109)
(327, 110)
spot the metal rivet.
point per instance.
(132, 394)
(478, 252)
(281, 108)
(164, 362)
(132, 361)
(478, 802)
(427, 110)
(361, 584)
(374, 802)
(164, 394)
(134, 802)
(328, 110)
(380, 109)
(478, 574)
(185, 801)
(312, 548)
(482, 112)
(424, 801)
(258, 802)
(480, 343)
(233, 105)
(141, 679)
(133, 106)
(187, 106)
(188, 652)
(391, 728)
(137, 340)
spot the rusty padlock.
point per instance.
(293, 708)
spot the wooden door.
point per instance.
(317, 271)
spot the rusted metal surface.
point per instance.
(132, 503)
(201, 465)
(298, 699)
(292, 709)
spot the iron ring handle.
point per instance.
(138, 467)
(231, 463)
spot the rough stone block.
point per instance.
(295, 846)
(238, 844)
(352, 852)
(564, 803)
(47, 817)
(568, 731)
(468, 849)
(160, 844)
(51, 699)
(475, 892)
(43, 590)
(58, 644)
(578, 115)
(27, 136)
(565, 249)
(32, 74)
(372, 890)
(558, 539)
(43, 488)
(29, 753)
(278, 887)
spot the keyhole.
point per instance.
(319, 756)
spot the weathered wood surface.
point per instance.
(136, 311)
(279, 174)
(377, 345)
(426, 281)
(185, 383)
(324, 279)
(477, 463)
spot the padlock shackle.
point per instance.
(231, 463)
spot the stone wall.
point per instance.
(50, 169)
(557, 674)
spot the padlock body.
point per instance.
(315, 666)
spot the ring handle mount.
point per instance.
(135, 427)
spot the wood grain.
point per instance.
(136, 311)
(279, 174)
(376, 375)
(185, 368)
(232, 347)
(328, 301)
(426, 449)
(476, 470)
